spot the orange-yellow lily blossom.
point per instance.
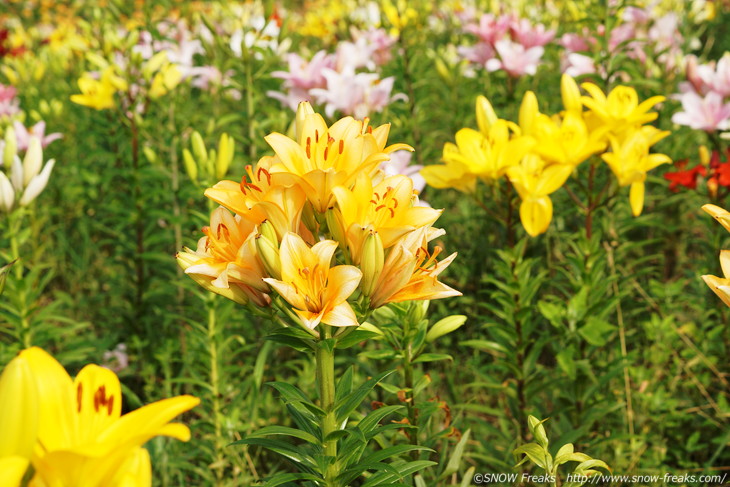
(226, 261)
(411, 272)
(385, 208)
(569, 142)
(720, 285)
(83, 440)
(263, 196)
(317, 291)
(630, 161)
(323, 158)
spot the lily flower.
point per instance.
(707, 113)
(317, 291)
(99, 94)
(23, 135)
(569, 142)
(534, 181)
(410, 272)
(226, 262)
(630, 161)
(620, 110)
(515, 59)
(83, 439)
(385, 208)
(323, 158)
(720, 285)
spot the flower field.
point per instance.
(364, 243)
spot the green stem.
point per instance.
(15, 224)
(214, 389)
(325, 358)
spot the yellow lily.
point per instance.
(18, 421)
(451, 174)
(620, 110)
(226, 261)
(386, 208)
(263, 196)
(411, 272)
(326, 157)
(720, 285)
(534, 182)
(630, 161)
(165, 80)
(99, 94)
(317, 291)
(83, 440)
(568, 142)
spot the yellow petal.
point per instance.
(98, 401)
(636, 197)
(536, 214)
(486, 117)
(721, 287)
(18, 410)
(340, 315)
(552, 179)
(12, 470)
(570, 94)
(56, 420)
(342, 282)
(719, 214)
(528, 112)
(725, 262)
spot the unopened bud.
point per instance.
(704, 155)
(150, 154)
(190, 166)
(210, 164)
(269, 255)
(225, 155)
(11, 147)
(266, 229)
(486, 117)
(199, 150)
(445, 326)
(33, 160)
(417, 311)
(372, 261)
(336, 226)
(303, 110)
(308, 218)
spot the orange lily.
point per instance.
(317, 291)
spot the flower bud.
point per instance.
(571, 94)
(37, 184)
(372, 261)
(704, 155)
(190, 166)
(417, 311)
(33, 160)
(199, 150)
(485, 115)
(269, 255)
(444, 327)
(336, 226)
(303, 110)
(11, 147)
(266, 229)
(7, 193)
(225, 155)
(210, 164)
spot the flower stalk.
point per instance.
(325, 362)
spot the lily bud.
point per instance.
(37, 184)
(190, 166)
(11, 147)
(210, 164)
(7, 193)
(303, 110)
(336, 226)
(33, 160)
(444, 327)
(269, 255)
(199, 150)
(570, 94)
(417, 311)
(372, 261)
(266, 229)
(225, 155)
(704, 155)
(486, 117)
(528, 112)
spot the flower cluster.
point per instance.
(540, 152)
(336, 80)
(705, 95)
(322, 198)
(507, 43)
(72, 431)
